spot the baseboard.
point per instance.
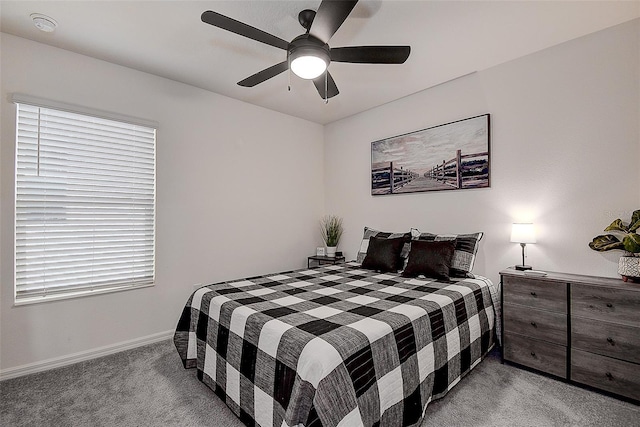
(58, 362)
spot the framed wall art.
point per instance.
(452, 156)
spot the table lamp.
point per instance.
(523, 233)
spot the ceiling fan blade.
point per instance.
(371, 54)
(265, 74)
(332, 89)
(230, 24)
(329, 17)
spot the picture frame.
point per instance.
(451, 156)
(320, 251)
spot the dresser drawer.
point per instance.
(535, 293)
(606, 373)
(540, 355)
(540, 324)
(608, 304)
(608, 339)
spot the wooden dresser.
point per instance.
(583, 329)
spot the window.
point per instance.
(85, 203)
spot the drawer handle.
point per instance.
(534, 324)
(609, 376)
(534, 294)
(533, 354)
(611, 341)
(609, 305)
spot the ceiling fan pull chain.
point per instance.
(289, 73)
(326, 88)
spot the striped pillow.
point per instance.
(370, 232)
(465, 254)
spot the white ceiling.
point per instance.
(448, 39)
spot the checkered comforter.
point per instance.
(335, 345)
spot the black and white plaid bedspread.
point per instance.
(336, 345)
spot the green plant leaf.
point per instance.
(632, 243)
(606, 242)
(331, 229)
(635, 221)
(617, 225)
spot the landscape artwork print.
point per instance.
(453, 156)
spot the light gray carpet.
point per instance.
(149, 387)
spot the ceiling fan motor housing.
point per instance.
(307, 45)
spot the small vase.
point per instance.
(629, 267)
(331, 251)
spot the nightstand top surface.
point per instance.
(326, 258)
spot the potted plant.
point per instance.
(624, 237)
(331, 230)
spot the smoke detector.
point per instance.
(44, 22)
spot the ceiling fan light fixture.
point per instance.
(308, 66)
(308, 57)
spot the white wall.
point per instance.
(564, 154)
(239, 192)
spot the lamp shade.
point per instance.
(523, 233)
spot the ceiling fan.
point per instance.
(309, 55)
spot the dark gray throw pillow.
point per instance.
(431, 259)
(370, 232)
(465, 254)
(383, 254)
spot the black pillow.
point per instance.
(431, 259)
(383, 254)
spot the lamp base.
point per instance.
(523, 267)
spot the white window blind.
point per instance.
(85, 204)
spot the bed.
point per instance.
(336, 345)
